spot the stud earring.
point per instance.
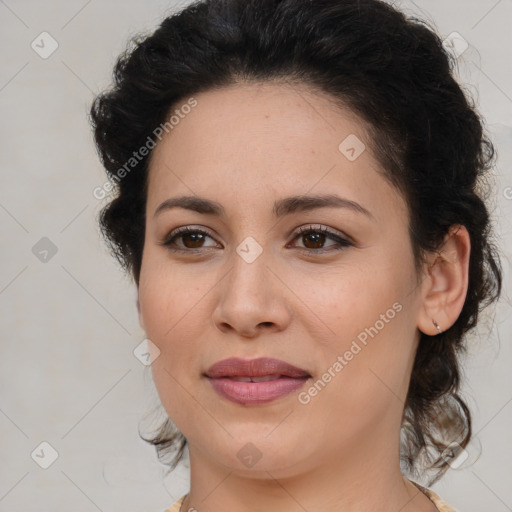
(437, 326)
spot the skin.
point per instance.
(246, 146)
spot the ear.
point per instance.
(445, 288)
(141, 320)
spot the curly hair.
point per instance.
(393, 72)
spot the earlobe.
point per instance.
(437, 326)
(446, 287)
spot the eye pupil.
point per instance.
(318, 239)
(197, 237)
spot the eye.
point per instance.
(192, 239)
(315, 237)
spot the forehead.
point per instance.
(252, 141)
(281, 113)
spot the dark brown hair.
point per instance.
(389, 69)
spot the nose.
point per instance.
(251, 299)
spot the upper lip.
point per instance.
(237, 367)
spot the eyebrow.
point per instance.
(282, 207)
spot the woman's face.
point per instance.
(244, 283)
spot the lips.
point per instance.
(254, 368)
(256, 381)
(265, 378)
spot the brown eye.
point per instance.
(317, 239)
(314, 239)
(192, 238)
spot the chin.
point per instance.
(259, 457)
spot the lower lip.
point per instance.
(253, 393)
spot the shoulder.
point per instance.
(175, 507)
(440, 504)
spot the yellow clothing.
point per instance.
(440, 504)
(176, 505)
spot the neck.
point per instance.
(354, 482)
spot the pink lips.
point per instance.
(255, 381)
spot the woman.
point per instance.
(297, 202)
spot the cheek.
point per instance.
(176, 396)
(170, 301)
(173, 315)
(360, 383)
(369, 318)
(170, 325)
(351, 301)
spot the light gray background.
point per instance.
(68, 375)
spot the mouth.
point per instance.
(267, 367)
(264, 378)
(256, 381)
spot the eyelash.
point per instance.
(304, 230)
